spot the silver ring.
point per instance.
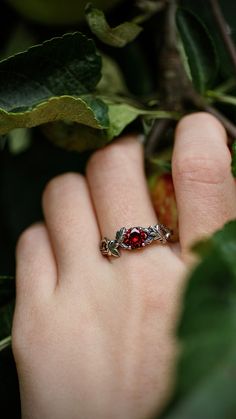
(134, 238)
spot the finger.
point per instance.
(71, 222)
(204, 186)
(36, 273)
(118, 187)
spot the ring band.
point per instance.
(134, 238)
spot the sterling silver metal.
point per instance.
(157, 232)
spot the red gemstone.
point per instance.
(135, 237)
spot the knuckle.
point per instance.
(23, 332)
(19, 340)
(202, 169)
(31, 329)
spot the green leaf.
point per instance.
(67, 65)
(199, 49)
(85, 110)
(80, 138)
(19, 140)
(201, 8)
(52, 81)
(234, 159)
(122, 114)
(220, 97)
(116, 37)
(74, 137)
(141, 81)
(148, 8)
(112, 81)
(206, 373)
(5, 343)
(59, 12)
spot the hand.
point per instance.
(93, 337)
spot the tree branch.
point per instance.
(229, 126)
(202, 104)
(176, 89)
(222, 25)
(158, 130)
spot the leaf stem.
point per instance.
(158, 130)
(149, 8)
(202, 104)
(160, 114)
(227, 86)
(229, 126)
(4, 343)
(223, 28)
(218, 97)
(170, 26)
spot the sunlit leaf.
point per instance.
(122, 114)
(112, 81)
(116, 37)
(52, 81)
(78, 137)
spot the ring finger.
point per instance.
(118, 187)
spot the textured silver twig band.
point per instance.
(134, 238)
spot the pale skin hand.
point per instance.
(93, 337)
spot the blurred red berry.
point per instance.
(163, 198)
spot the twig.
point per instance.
(159, 127)
(202, 104)
(169, 70)
(222, 25)
(148, 8)
(177, 90)
(229, 126)
(170, 26)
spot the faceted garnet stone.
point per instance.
(135, 237)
